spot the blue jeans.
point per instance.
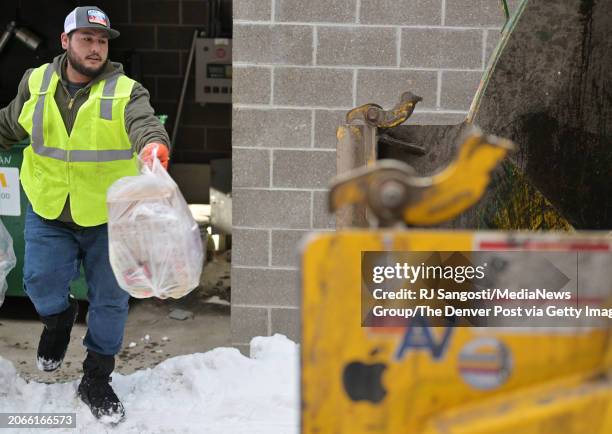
(54, 252)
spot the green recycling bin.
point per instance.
(13, 205)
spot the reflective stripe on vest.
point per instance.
(81, 164)
(106, 112)
(106, 104)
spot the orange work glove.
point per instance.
(146, 155)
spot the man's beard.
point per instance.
(79, 67)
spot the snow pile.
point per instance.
(220, 392)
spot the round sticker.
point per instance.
(485, 363)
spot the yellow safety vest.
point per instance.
(83, 164)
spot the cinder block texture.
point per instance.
(252, 10)
(251, 85)
(442, 48)
(436, 118)
(135, 36)
(273, 128)
(277, 44)
(250, 247)
(245, 349)
(162, 62)
(285, 246)
(384, 87)
(271, 209)
(335, 11)
(401, 12)
(303, 169)
(192, 138)
(322, 219)
(248, 322)
(251, 167)
(155, 11)
(271, 287)
(474, 13)
(194, 12)
(307, 87)
(458, 89)
(326, 125)
(359, 46)
(296, 75)
(286, 322)
(117, 9)
(218, 115)
(219, 140)
(493, 37)
(173, 37)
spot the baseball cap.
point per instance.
(90, 17)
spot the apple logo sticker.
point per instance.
(363, 382)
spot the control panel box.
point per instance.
(213, 73)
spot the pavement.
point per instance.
(151, 335)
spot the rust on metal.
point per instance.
(375, 116)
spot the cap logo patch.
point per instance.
(97, 17)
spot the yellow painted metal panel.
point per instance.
(355, 380)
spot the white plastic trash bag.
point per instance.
(7, 259)
(154, 243)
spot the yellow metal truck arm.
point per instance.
(568, 406)
(363, 186)
(459, 186)
(393, 192)
(426, 379)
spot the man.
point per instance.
(87, 122)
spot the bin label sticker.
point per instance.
(10, 197)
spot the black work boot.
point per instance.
(55, 337)
(95, 390)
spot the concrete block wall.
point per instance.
(298, 67)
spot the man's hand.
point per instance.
(147, 153)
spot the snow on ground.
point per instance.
(218, 392)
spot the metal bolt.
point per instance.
(372, 114)
(392, 194)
